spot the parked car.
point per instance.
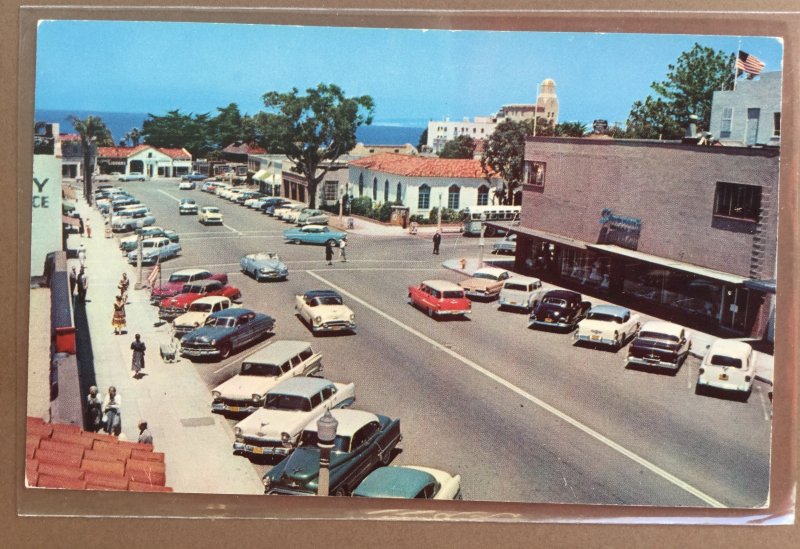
(293, 213)
(521, 292)
(247, 195)
(220, 187)
(209, 214)
(275, 427)
(271, 204)
(226, 331)
(197, 312)
(507, 245)
(280, 360)
(264, 266)
(194, 176)
(155, 250)
(485, 283)
(324, 311)
(208, 186)
(608, 325)
(132, 176)
(178, 280)
(255, 202)
(287, 207)
(187, 206)
(559, 309)
(312, 217)
(363, 441)
(186, 185)
(313, 234)
(659, 344)
(175, 306)
(130, 220)
(130, 243)
(728, 365)
(410, 482)
(439, 297)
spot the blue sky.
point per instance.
(413, 75)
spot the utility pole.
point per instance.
(439, 214)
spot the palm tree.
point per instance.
(134, 135)
(92, 131)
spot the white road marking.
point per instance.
(764, 404)
(688, 374)
(547, 407)
(231, 228)
(169, 195)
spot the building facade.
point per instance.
(683, 230)
(46, 201)
(72, 155)
(146, 159)
(750, 114)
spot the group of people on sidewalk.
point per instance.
(105, 413)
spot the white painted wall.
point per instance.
(45, 210)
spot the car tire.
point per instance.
(386, 458)
(225, 351)
(699, 389)
(341, 492)
(431, 312)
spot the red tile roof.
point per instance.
(244, 148)
(119, 152)
(416, 166)
(176, 154)
(66, 456)
(70, 137)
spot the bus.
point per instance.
(474, 216)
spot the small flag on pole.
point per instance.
(750, 64)
(151, 278)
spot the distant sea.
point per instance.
(387, 133)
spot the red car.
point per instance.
(439, 297)
(178, 279)
(173, 307)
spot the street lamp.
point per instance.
(326, 434)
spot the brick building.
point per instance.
(687, 232)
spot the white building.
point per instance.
(421, 183)
(750, 114)
(46, 209)
(146, 159)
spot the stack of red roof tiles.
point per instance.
(66, 456)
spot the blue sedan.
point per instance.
(313, 234)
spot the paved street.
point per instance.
(522, 415)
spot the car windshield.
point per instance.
(287, 402)
(200, 307)
(187, 201)
(263, 256)
(604, 317)
(557, 301)
(659, 336)
(260, 369)
(149, 244)
(453, 294)
(326, 300)
(485, 275)
(309, 440)
(515, 286)
(179, 278)
(212, 210)
(722, 360)
(221, 322)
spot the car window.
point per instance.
(244, 319)
(557, 301)
(328, 392)
(296, 360)
(202, 276)
(316, 400)
(260, 369)
(604, 317)
(516, 286)
(224, 305)
(277, 401)
(722, 360)
(453, 294)
(200, 307)
(365, 434)
(435, 293)
(286, 366)
(306, 354)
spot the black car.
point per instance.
(271, 204)
(226, 331)
(659, 344)
(559, 309)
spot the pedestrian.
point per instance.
(329, 251)
(81, 227)
(94, 410)
(137, 362)
(83, 285)
(118, 320)
(123, 285)
(88, 229)
(145, 437)
(112, 412)
(107, 228)
(73, 282)
(342, 249)
(437, 239)
(82, 256)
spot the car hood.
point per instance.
(193, 318)
(180, 300)
(332, 312)
(167, 288)
(205, 334)
(302, 467)
(477, 283)
(243, 387)
(269, 424)
(270, 264)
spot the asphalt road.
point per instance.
(522, 415)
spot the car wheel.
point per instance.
(386, 458)
(340, 492)
(225, 351)
(431, 312)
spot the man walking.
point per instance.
(73, 282)
(83, 285)
(437, 239)
(342, 249)
(329, 251)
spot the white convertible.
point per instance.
(324, 311)
(288, 408)
(608, 325)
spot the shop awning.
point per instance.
(766, 286)
(68, 206)
(261, 175)
(543, 235)
(670, 263)
(67, 220)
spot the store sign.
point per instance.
(620, 230)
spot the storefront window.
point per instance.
(586, 268)
(679, 290)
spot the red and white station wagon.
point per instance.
(439, 297)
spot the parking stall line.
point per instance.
(538, 402)
(169, 195)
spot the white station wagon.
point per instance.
(728, 365)
(263, 370)
(521, 292)
(608, 325)
(289, 407)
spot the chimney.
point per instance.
(691, 131)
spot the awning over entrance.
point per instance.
(550, 237)
(670, 263)
(67, 220)
(261, 175)
(67, 206)
(766, 286)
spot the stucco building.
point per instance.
(146, 159)
(46, 202)
(750, 114)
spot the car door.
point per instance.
(364, 454)
(310, 362)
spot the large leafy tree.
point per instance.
(93, 131)
(314, 129)
(504, 152)
(176, 130)
(228, 126)
(423, 140)
(688, 90)
(462, 146)
(571, 129)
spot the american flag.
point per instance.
(151, 278)
(750, 64)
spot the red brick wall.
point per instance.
(669, 187)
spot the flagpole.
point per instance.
(735, 64)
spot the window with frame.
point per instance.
(737, 201)
(453, 197)
(386, 191)
(533, 172)
(727, 120)
(424, 201)
(330, 191)
(776, 124)
(361, 185)
(374, 188)
(398, 196)
(483, 195)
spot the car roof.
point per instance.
(233, 313)
(278, 351)
(496, 271)
(729, 347)
(662, 326)
(614, 310)
(154, 239)
(320, 293)
(519, 279)
(187, 200)
(394, 482)
(315, 227)
(349, 420)
(263, 255)
(211, 207)
(301, 386)
(563, 294)
(211, 299)
(190, 271)
(205, 282)
(442, 285)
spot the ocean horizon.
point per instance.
(397, 131)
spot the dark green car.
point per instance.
(363, 441)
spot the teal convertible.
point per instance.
(314, 234)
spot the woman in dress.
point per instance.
(138, 348)
(118, 320)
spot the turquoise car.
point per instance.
(410, 482)
(314, 234)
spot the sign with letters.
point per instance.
(620, 230)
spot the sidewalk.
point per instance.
(371, 227)
(171, 397)
(765, 363)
